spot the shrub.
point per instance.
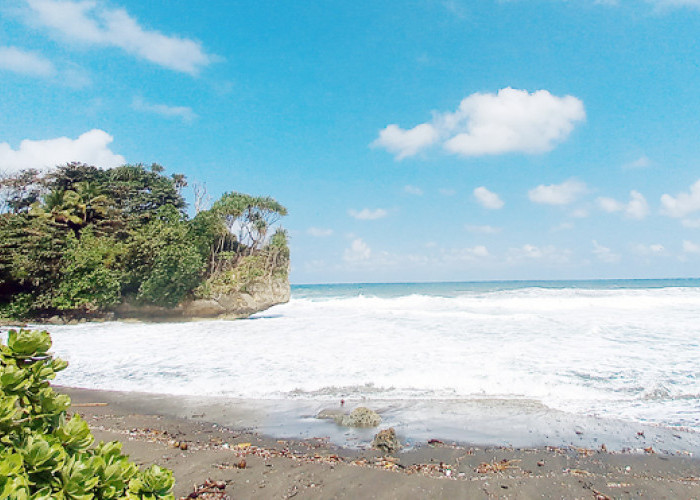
(91, 274)
(44, 454)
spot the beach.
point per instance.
(198, 449)
(519, 389)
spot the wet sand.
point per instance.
(196, 447)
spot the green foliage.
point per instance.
(46, 455)
(91, 274)
(248, 271)
(80, 240)
(165, 264)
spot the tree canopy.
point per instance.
(82, 240)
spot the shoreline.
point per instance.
(312, 465)
(481, 422)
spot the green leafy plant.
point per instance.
(44, 454)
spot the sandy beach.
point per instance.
(197, 448)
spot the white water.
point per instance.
(632, 354)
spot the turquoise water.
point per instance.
(453, 289)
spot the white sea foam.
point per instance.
(631, 353)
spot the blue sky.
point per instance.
(411, 141)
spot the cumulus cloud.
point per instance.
(683, 203)
(404, 143)
(604, 254)
(368, 214)
(558, 194)
(486, 229)
(413, 190)
(91, 147)
(25, 62)
(319, 232)
(92, 23)
(358, 251)
(690, 247)
(510, 121)
(478, 251)
(636, 208)
(488, 199)
(183, 113)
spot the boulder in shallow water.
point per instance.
(361, 417)
(386, 441)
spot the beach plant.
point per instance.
(44, 453)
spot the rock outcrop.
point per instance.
(387, 441)
(359, 417)
(257, 297)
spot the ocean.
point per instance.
(627, 350)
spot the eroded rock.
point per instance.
(386, 441)
(361, 417)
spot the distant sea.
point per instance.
(625, 349)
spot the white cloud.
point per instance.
(511, 121)
(92, 23)
(483, 229)
(405, 143)
(610, 205)
(691, 223)
(548, 253)
(91, 147)
(368, 214)
(558, 194)
(580, 213)
(604, 254)
(653, 249)
(319, 232)
(478, 251)
(683, 203)
(25, 62)
(690, 247)
(637, 208)
(564, 226)
(33, 64)
(641, 162)
(695, 4)
(461, 255)
(488, 199)
(183, 113)
(358, 251)
(413, 190)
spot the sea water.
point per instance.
(627, 350)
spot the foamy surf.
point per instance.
(624, 353)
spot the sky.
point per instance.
(415, 140)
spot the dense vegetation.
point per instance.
(79, 240)
(46, 455)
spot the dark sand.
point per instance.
(316, 468)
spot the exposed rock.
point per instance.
(386, 441)
(54, 320)
(361, 417)
(331, 414)
(257, 297)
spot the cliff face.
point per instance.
(257, 296)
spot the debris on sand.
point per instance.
(210, 490)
